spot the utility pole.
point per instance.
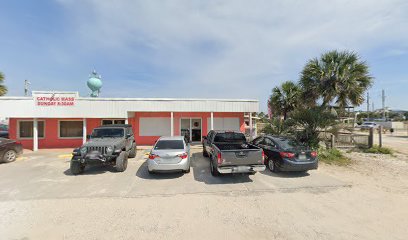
(383, 104)
(26, 84)
(368, 106)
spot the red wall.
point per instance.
(177, 115)
(51, 139)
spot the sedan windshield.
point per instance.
(169, 144)
(108, 132)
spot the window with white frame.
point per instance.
(25, 129)
(71, 129)
(113, 121)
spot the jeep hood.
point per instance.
(104, 142)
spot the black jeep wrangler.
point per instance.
(107, 145)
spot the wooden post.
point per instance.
(371, 138)
(332, 141)
(380, 135)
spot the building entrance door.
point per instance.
(191, 128)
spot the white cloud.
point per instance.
(237, 49)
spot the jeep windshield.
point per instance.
(107, 132)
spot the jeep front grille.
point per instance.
(101, 150)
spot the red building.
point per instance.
(63, 119)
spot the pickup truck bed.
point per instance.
(230, 153)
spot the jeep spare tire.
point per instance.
(121, 162)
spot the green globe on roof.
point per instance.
(95, 84)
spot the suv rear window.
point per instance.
(169, 144)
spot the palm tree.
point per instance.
(285, 98)
(337, 76)
(3, 88)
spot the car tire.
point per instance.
(9, 156)
(187, 171)
(251, 173)
(132, 152)
(214, 171)
(272, 166)
(121, 162)
(76, 167)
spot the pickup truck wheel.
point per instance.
(132, 152)
(76, 167)
(214, 171)
(205, 153)
(121, 162)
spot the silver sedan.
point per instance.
(169, 154)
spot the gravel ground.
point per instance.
(373, 204)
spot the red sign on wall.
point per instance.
(54, 100)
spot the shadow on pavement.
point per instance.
(285, 174)
(93, 170)
(143, 173)
(202, 173)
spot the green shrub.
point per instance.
(333, 156)
(379, 150)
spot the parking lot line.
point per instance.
(65, 155)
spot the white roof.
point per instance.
(87, 107)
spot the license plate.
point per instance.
(302, 156)
(242, 169)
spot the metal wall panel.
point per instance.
(119, 107)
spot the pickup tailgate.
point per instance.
(241, 157)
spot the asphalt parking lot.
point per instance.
(40, 199)
(46, 175)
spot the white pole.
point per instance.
(35, 135)
(172, 123)
(84, 130)
(212, 120)
(250, 126)
(191, 134)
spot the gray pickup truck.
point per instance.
(229, 152)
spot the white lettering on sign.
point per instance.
(54, 99)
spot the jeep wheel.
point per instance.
(76, 167)
(121, 162)
(132, 152)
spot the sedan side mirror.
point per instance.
(88, 136)
(128, 135)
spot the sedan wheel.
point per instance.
(272, 166)
(10, 156)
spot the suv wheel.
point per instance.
(121, 162)
(132, 152)
(76, 167)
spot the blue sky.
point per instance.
(190, 48)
